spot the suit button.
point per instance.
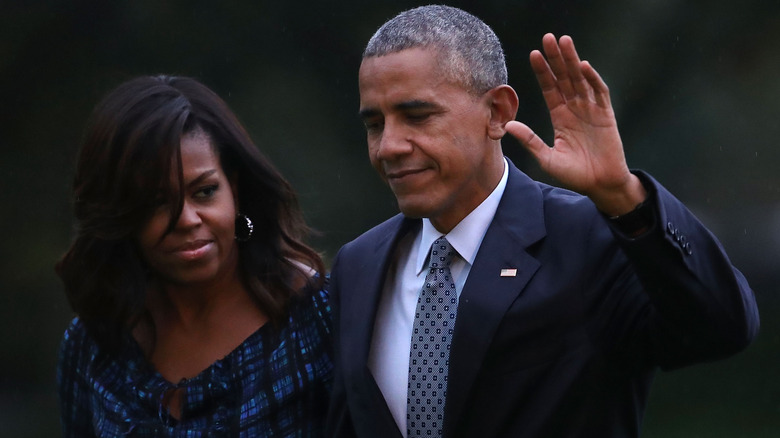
(671, 229)
(682, 240)
(687, 248)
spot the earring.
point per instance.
(244, 228)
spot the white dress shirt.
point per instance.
(388, 359)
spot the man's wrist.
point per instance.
(621, 200)
(636, 221)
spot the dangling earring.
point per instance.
(244, 227)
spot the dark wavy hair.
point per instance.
(131, 148)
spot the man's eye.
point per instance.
(417, 117)
(373, 126)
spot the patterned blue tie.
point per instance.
(429, 357)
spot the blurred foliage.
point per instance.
(693, 83)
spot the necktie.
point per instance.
(434, 322)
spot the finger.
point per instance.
(574, 68)
(547, 81)
(600, 88)
(558, 65)
(528, 138)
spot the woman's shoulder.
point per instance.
(312, 305)
(76, 335)
(316, 290)
(77, 348)
(311, 284)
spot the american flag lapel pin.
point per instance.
(509, 272)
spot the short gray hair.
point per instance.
(468, 50)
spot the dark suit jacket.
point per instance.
(566, 348)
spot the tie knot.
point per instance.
(441, 253)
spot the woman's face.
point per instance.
(201, 248)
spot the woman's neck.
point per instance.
(196, 325)
(197, 304)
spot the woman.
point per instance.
(200, 311)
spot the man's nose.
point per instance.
(395, 141)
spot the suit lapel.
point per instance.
(366, 291)
(487, 295)
(359, 314)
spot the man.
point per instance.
(544, 312)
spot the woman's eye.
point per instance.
(206, 192)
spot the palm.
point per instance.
(587, 150)
(587, 153)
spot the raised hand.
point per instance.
(587, 154)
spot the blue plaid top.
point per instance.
(275, 384)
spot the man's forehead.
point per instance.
(411, 72)
(416, 58)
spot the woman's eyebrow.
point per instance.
(201, 177)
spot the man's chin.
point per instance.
(413, 210)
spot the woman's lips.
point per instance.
(193, 250)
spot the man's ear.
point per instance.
(503, 103)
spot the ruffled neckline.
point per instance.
(208, 389)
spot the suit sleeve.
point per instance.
(700, 306)
(339, 423)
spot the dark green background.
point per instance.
(695, 87)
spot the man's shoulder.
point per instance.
(560, 198)
(378, 233)
(550, 200)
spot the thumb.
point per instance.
(528, 138)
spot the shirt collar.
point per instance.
(467, 236)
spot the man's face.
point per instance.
(428, 136)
